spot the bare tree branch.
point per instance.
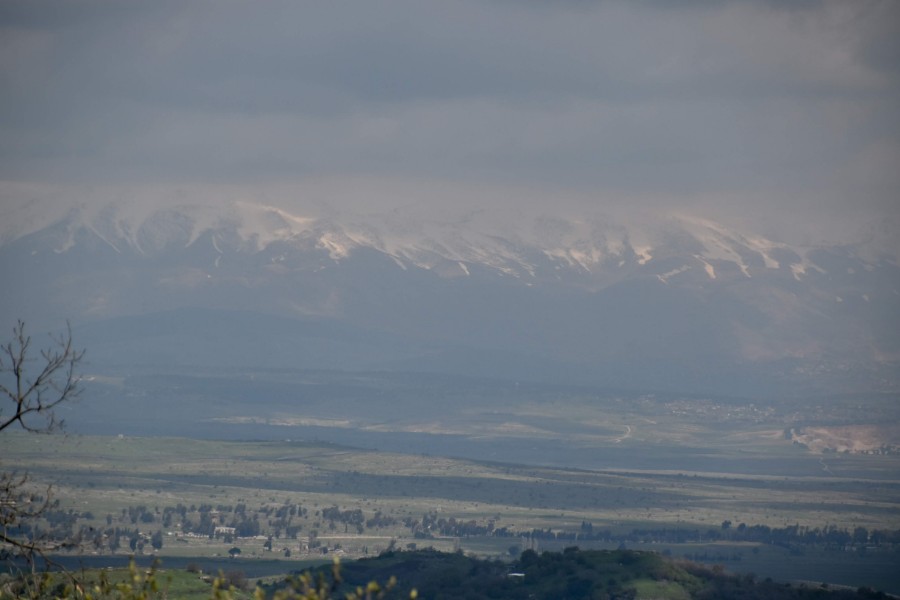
(30, 400)
(34, 399)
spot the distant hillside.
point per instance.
(571, 574)
(668, 302)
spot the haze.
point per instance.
(478, 275)
(779, 115)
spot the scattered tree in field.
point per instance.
(236, 580)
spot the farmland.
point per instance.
(271, 470)
(306, 499)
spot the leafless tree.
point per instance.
(31, 388)
(34, 396)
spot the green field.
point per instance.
(100, 478)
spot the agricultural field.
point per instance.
(508, 422)
(270, 471)
(188, 500)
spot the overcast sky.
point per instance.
(779, 112)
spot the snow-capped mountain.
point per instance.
(518, 246)
(672, 301)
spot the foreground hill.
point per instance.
(572, 574)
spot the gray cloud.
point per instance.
(739, 108)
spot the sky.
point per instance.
(783, 114)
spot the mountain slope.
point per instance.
(674, 302)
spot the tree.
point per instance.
(35, 396)
(31, 388)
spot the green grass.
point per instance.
(169, 583)
(659, 590)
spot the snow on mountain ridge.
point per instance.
(266, 224)
(721, 243)
(512, 246)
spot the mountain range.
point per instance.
(661, 302)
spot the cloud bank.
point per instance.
(784, 114)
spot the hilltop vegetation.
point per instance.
(572, 574)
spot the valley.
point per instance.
(321, 471)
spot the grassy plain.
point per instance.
(107, 474)
(524, 457)
(104, 475)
